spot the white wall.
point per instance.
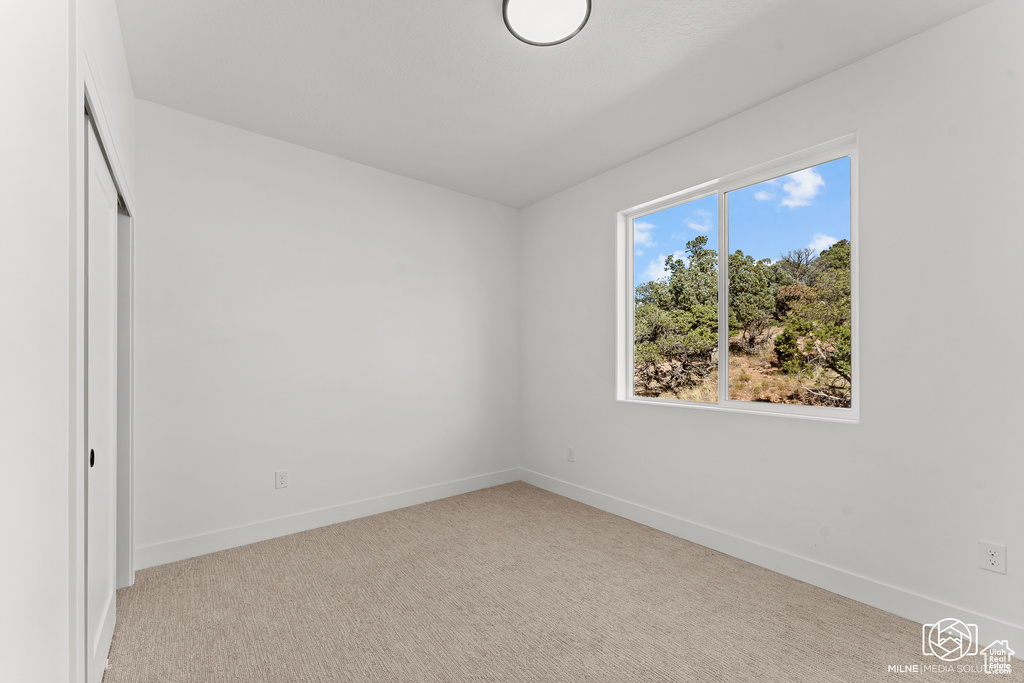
(103, 67)
(46, 49)
(300, 312)
(890, 510)
(43, 61)
(34, 226)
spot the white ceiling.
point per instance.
(438, 90)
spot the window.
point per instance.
(740, 294)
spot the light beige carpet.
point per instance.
(506, 584)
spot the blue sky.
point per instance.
(806, 208)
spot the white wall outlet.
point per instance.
(570, 454)
(992, 557)
(281, 479)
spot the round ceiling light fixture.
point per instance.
(545, 22)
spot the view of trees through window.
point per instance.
(789, 293)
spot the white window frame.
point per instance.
(829, 151)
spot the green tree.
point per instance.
(674, 335)
(836, 257)
(815, 343)
(676, 323)
(694, 279)
(779, 278)
(798, 264)
(751, 297)
(655, 293)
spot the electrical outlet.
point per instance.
(570, 455)
(281, 479)
(992, 557)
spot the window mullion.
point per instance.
(629, 368)
(723, 298)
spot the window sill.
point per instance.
(819, 413)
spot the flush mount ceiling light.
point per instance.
(545, 22)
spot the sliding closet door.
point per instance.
(101, 406)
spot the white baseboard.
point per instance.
(898, 601)
(193, 546)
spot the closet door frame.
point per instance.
(86, 100)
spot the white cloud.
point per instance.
(642, 234)
(763, 196)
(801, 187)
(639, 252)
(821, 242)
(699, 220)
(656, 269)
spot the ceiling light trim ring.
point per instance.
(508, 25)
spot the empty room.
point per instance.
(511, 340)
